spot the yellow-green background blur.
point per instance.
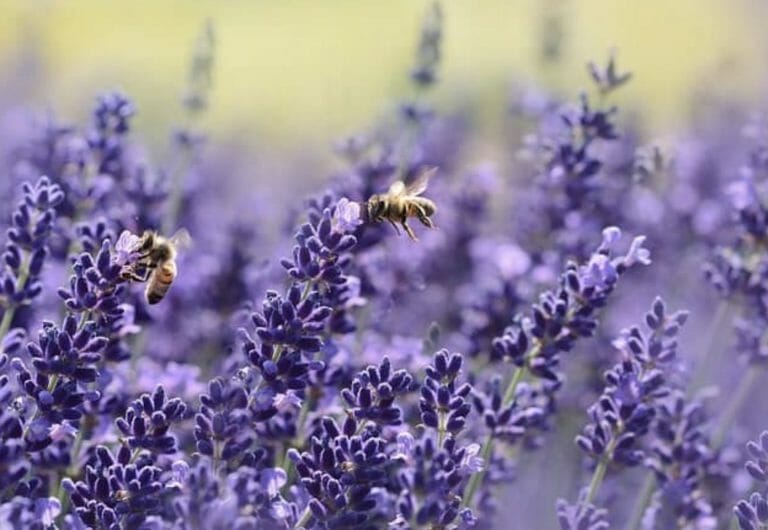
(296, 74)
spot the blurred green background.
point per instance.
(296, 74)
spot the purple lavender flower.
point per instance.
(12, 460)
(200, 77)
(576, 186)
(27, 247)
(581, 517)
(346, 216)
(222, 425)
(373, 392)
(753, 514)
(319, 246)
(442, 405)
(634, 388)
(428, 53)
(554, 326)
(441, 466)
(71, 351)
(127, 248)
(147, 422)
(286, 329)
(557, 320)
(116, 492)
(111, 122)
(63, 361)
(607, 79)
(340, 471)
(680, 458)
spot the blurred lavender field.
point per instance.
(544, 312)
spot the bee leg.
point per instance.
(394, 224)
(130, 274)
(409, 231)
(422, 216)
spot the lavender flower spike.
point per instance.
(634, 388)
(27, 247)
(557, 321)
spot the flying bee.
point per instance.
(402, 201)
(157, 261)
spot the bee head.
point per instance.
(375, 207)
(148, 241)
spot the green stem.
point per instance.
(216, 457)
(597, 477)
(284, 464)
(76, 446)
(61, 494)
(732, 408)
(10, 311)
(304, 518)
(477, 478)
(52, 383)
(517, 377)
(303, 415)
(84, 207)
(5, 324)
(277, 353)
(307, 290)
(509, 395)
(638, 510)
(84, 316)
(440, 429)
(306, 407)
(602, 466)
(710, 344)
(410, 135)
(176, 193)
(71, 471)
(360, 427)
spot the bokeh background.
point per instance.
(293, 75)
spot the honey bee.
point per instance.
(157, 261)
(402, 201)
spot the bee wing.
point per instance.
(181, 239)
(419, 186)
(396, 189)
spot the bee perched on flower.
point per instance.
(153, 255)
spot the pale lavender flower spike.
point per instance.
(126, 248)
(346, 217)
